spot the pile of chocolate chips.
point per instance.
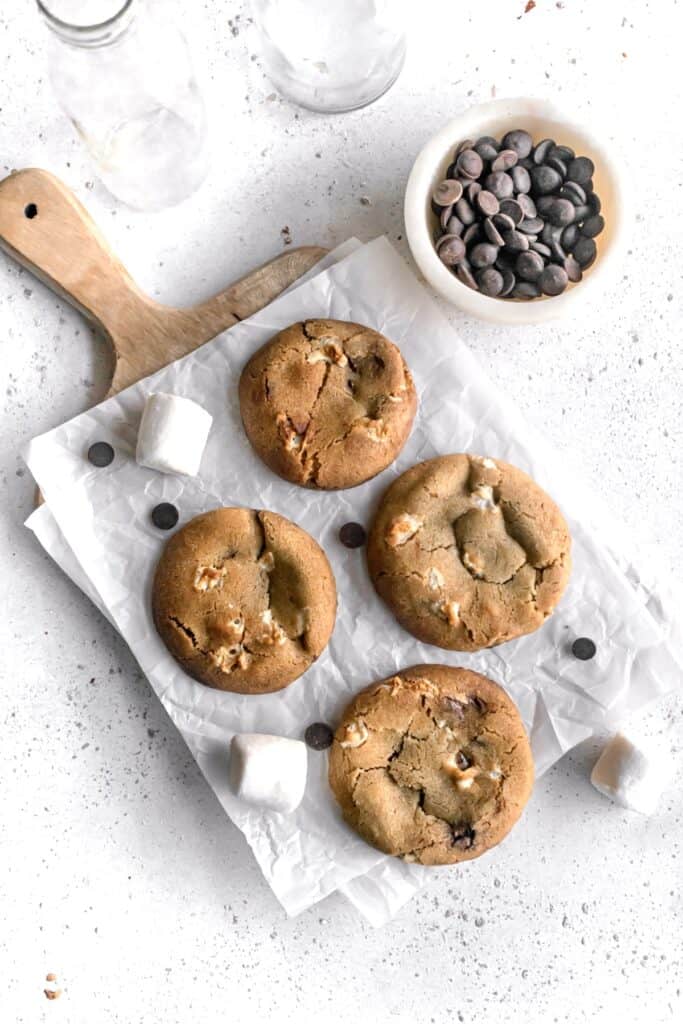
(516, 220)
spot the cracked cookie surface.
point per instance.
(244, 600)
(468, 552)
(327, 404)
(432, 765)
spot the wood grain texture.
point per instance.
(45, 228)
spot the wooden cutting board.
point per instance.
(45, 228)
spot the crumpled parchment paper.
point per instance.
(97, 526)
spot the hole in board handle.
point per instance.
(30, 211)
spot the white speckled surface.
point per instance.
(120, 872)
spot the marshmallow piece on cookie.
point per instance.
(173, 434)
(268, 771)
(631, 774)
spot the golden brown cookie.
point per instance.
(432, 765)
(244, 601)
(468, 552)
(327, 404)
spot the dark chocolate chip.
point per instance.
(555, 243)
(521, 178)
(515, 241)
(447, 192)
(466, 144)
(580, 170)
(593, 226)
(594, 203)
(487, 147)
(570, 237)
(165, 516)
(541, 249)
(453, 707)
(542, 150)
(470, 164)
(463, 835)
(352, 535)
(490, 281)
(487, 203)
(445, 216)
(318, 736)
(479, 704)
(503, 222)
(472, 234)
(472, 191)
(455, 226)
(544, 180)
(464, 212)
(557, 165)
(528, 205)
(585, 252)
(100, 454)
(583, 648)
(553, 280)
(512, 209)
(520, 141)
(573, 192)
(561, 212)
(462, 761)
(564, 153)
(526, 290)
(573, 269)
(529, 266)
(451, 250)
(505, 161)
(530, 225)
(465, 275)
(509, 281)
(492, 233)
(581, 213)
(483, 255)
(500, 184)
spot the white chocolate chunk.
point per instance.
(268, 771)
(632, 774)
(451, 612)
(435, 579)
(402, 528)
(172, 435)
(482, 496)
(356, 734)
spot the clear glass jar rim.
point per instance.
(96, 26)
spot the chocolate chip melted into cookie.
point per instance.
(438, 777)
(327, 404)
(235, 601)
(469, 552)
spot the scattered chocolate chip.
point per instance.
(319, 736)
(352, 535)
(583, 648)
(463, 835)
(165, 516)
(100, 454)
(462, 761)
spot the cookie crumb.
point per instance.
(51, 976)
(286, 235)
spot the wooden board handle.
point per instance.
(45, 228)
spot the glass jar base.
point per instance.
(333, 101)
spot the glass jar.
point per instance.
(123, 74)
(334, 55)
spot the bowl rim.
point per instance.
(419, 234)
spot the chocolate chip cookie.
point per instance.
(432, 765)
(327, 404)
(244, 600)
(468, 552)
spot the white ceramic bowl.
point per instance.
(542, 120)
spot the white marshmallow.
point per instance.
(268, 771)
(173, 434)
(632, 775)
